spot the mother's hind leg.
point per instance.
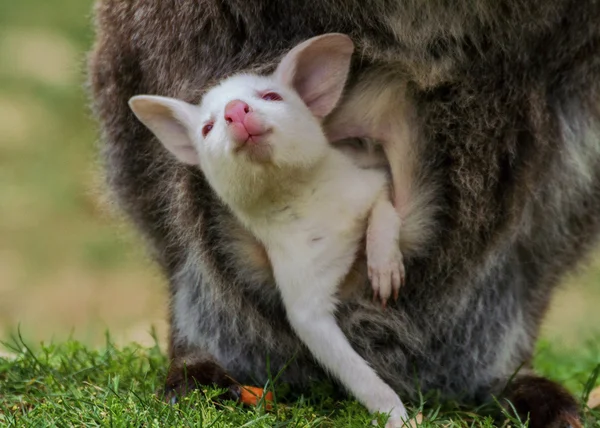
(192, 372)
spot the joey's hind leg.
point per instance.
(384, 258)
(310, 307)
(328, 344)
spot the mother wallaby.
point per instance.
(505, 121)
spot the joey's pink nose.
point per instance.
(236, 111)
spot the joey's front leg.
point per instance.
(384, 258)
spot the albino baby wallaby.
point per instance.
(260, 144)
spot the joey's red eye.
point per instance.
(206, 129)
(272, 96)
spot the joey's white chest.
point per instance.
(328, 221)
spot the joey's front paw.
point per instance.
(386, 273)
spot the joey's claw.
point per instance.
(396, 282)
(375, 286)
(386, 274)
(383, 298)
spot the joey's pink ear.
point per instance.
(171, 121)
(317, 69)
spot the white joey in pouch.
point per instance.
(260, 144)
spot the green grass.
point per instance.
(68, 384)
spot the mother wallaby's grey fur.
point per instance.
(507, 96)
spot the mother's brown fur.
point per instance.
(507, 96)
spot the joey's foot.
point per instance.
(386, 273)
(404, 423)
(546, 403)
(188, 374)
(399, 423)
(393, 407)
(397, 420)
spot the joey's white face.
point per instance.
(252, 120)
(248, 124)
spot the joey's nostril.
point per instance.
(236, 110)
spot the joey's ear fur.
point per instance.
(317, 69)
(171, 121)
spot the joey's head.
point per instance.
(250, 122)
(259, 120)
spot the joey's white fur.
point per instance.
(308, 203)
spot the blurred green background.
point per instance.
(68, 265)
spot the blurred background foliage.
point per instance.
(68, 265)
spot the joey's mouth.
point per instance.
(249, 132)
(250, 141)
(256, 147)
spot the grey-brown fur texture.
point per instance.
(507, 97)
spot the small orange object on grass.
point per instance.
(252, 394)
